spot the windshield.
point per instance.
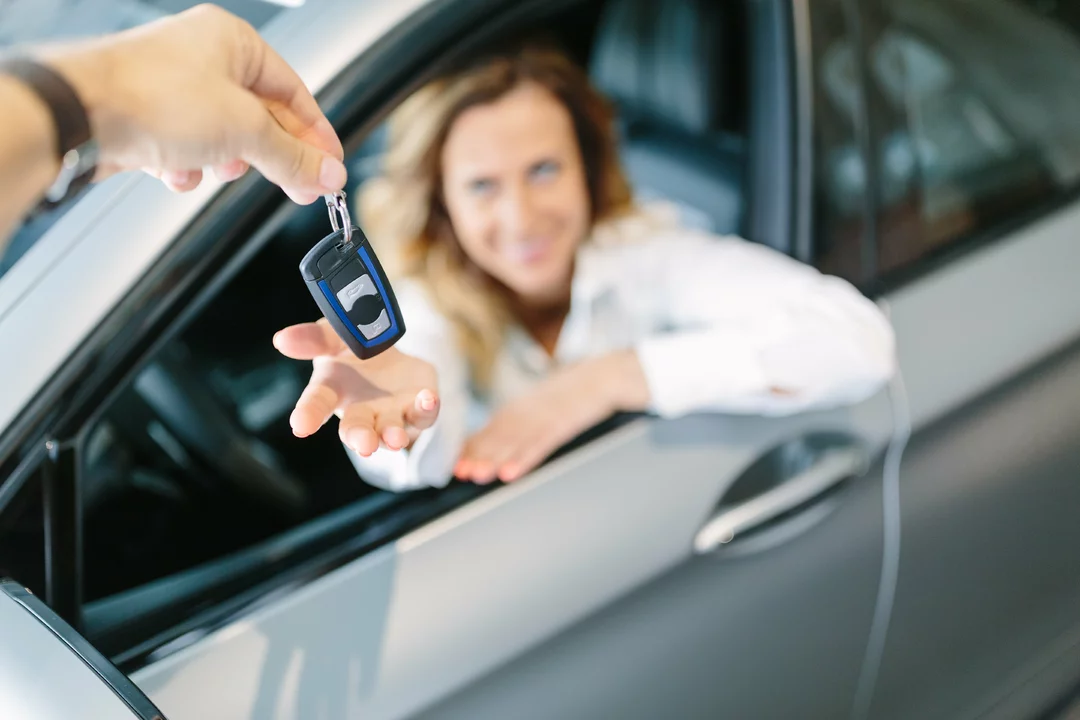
(25, 22)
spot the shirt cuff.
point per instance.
(689, 371)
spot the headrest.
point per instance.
(664, 59)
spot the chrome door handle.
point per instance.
(830, 468)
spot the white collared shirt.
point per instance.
(717, 323)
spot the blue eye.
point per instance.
(544, 170)
(481, 186)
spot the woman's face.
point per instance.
(515, 188)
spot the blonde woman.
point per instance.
(539, 299)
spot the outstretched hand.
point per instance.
(387, 399)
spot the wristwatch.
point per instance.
(77, 150)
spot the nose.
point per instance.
(517, 210)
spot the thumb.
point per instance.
(307, 341)
(302, 170)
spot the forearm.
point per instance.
(28, 162)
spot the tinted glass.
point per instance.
(978, 121)
(22, 537)
(195, 458)
(840, 174)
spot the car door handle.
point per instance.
(831, 467)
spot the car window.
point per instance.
(988, 119)
(25, 22)
(840, 175)
(194, 458)
(975, 116)
(22, 536)
(193, 489)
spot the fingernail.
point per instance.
(177, 180)
(332, 174)
(427, 400)
(294, 421)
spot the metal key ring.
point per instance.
(336, 205)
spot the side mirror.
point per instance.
(47, 670)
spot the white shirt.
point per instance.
(716, 322)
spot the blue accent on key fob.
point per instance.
(350, 287)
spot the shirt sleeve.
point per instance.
(430, 460)
(750, 330)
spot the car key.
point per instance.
(349, 286)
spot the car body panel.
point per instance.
(474, 588)
(986, 621)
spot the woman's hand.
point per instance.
(528, 429)
(390, 398)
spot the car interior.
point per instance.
(193, 488)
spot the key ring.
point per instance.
(336, 205)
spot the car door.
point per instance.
(978, 240)
(943, 184)
(230, 582)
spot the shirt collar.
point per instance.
(594, 275)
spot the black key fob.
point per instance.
(349, 286)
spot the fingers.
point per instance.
(484, 455)
(303, 171)
(188, 180)
(270, 78)
(390, 425)
(182, 180)
(230, 171)
(295, 146)
(423, 411)
(506, 451)
(357, 429)
(365, 425)
(315, 406)
(324, 395)
(308, 341)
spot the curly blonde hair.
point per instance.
(403, 212)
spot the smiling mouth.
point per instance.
(528, 252)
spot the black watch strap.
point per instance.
(75, 148)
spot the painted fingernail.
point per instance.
(427, 400)
(332, 174)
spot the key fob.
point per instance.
(350, 287)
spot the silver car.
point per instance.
(914, 556)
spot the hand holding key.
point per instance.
(201, 89)
(390, 398)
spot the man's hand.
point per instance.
(389, 398)
(525, 431)
(201, 89)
